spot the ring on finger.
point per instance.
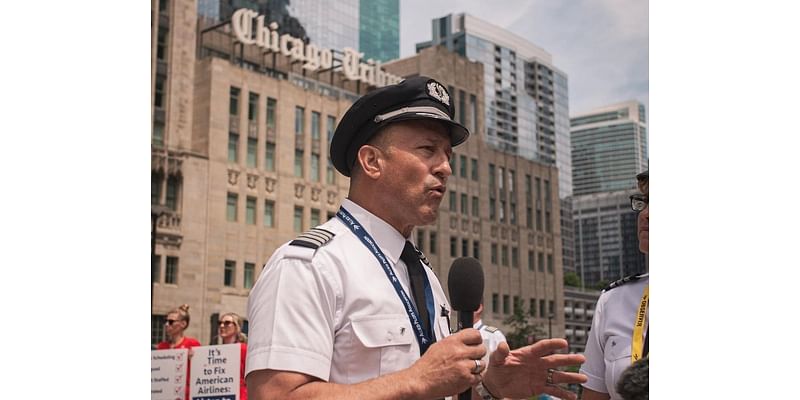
(550, 376)
(477, 369)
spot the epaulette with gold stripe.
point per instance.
(314, 238)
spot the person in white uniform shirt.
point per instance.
(348, 310)
(619, 333)
(490, 334)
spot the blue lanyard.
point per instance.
(422, 339)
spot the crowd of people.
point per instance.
(351, 308)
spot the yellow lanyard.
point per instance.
(637, 341)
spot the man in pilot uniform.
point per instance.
(348, 309)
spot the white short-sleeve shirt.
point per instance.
(331, 312)
(608, 348)
(490, 339)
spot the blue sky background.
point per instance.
(602, 45)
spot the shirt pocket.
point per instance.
(617, 356)
(387, 342)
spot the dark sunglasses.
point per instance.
(170, 321)
(225, 323)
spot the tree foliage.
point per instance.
(523, 331)
(572, 279)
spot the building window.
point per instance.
(539, 220)
(530, 261)
(540, 262)
(462, 107)
(155, 188)
(252, 107)
(234, 102)
(538, 188)
(515, 257)
(494, 254)
(452, 201)
(504, 255)
(501, 178)
(233, 198)
(453, 246)
(230, 273)
(476, 249)
(491, 178)
(527, 189)
(250, 211)
(315, 167)
(462, 168)
(550, 263)
(158, 102)
(155, 266)
(551, 307)
(506, 307)
(547, 191)
(473, 118)
(298, 163)
(421, 240)
(542, 305)
(298, 219)
(158, 134)
(161, 47)
(330, 176)
(492, 212)
(269, 213)
(249, 275)
(453, 164)
(512, 178)
(528, 217)
(314, 217)
(464, 247)
(495, 305)
(433, 242)
(474, 169)
(272, 105)
(547, 224)
(516, 304)
(464, 205)
(475, 208)
(157, 323)
(532, 307)
(252, 145)
(315, 125)
(171, 271)
(269, 162)
(171, 200)
(502, 211)
(163, 5)
(299, 121)
(512, 213)
(233, 146)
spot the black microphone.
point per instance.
(465, 284)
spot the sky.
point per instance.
(602, 45)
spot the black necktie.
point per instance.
(417, 275)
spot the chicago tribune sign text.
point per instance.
(313, 58)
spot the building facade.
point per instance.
(606, 240)
(379, 29)
(609, 147)
(240, 161)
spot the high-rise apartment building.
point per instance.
(527, 103)
(369, 26)
(609, 147)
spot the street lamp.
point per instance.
(156, 211)
(550, 325)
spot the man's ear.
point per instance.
(368, 157)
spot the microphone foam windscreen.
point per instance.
(465, 284)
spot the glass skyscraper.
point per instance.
(526, 99)
(379, 29)
(609, 147)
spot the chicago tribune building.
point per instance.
(242, 117)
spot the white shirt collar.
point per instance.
(478, 324)
(390, 240)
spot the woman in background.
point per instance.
(176, 323)
(230, 331)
